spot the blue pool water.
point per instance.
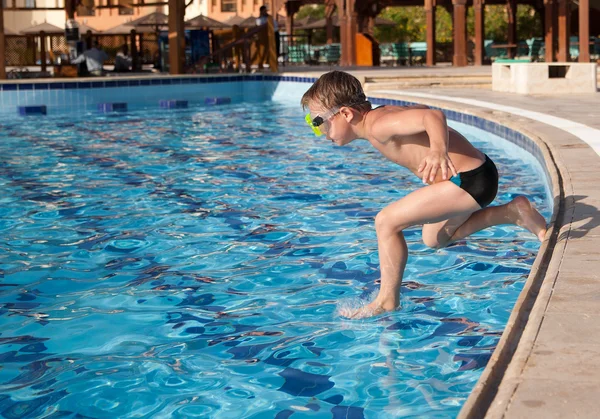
(189, 264)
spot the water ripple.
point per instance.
(186, 264)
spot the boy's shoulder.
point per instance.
(397, 108)
(402, 108)
(380, 111)
(383, 118)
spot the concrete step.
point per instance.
(432, 77)
(483, 83)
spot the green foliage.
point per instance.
(443, 25)
(529, 23)
(319, 36)
(316, 11)
(411, 24)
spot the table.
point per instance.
(65, 70)
(510, 48)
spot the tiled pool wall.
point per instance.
(87, 94)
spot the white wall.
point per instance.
(16, 21)
(196, 8)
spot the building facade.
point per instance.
(97, 17)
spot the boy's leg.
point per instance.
(432, 203)
(519, 212)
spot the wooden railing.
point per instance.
(239, 50)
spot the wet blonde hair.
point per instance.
(337, 88)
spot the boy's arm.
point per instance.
(415, 121)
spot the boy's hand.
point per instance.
(433, 162)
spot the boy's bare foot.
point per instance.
(528, 217)
(372, 309)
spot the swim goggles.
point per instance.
(317, 121)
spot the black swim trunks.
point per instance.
(481, 183)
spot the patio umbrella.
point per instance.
(303, 22)
(125, 29)
(381, 21)
(154, 19)
(202, 21)
(248, 22)
(9, 32)
(282, 21)
(322, 23)
(83, 28)
(150, 23)
(46, 27)
(234, 20)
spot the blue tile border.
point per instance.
(217, 100)
(150, 81)
(173, 104)
(112, 107)
(32, 110)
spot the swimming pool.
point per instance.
(190, 262)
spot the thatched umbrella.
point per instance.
(154, 19)
(234, 20)
(43, 30)
(125, 29)
(151, 23)
(248, 22)
(322, 23)
(47, 28)
(83, 29)
(306, 20)
(202, 21)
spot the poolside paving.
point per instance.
(555, 369)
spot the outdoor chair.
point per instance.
(491, 52)
(594, 48)
(385, 52)
(534, 47)
(297, 54)
(418, 51)
(595, 51)
(330, 54)
(522, 49)
(400, 51)
(574, 47)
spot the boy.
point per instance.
(461, 180)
